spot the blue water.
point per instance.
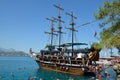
(22, 68)
(112, 73)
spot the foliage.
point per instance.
(109, 14)
(97, 46)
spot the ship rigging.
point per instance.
(53, 58)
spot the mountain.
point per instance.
(6, 50)
(11, 52)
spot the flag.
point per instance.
(95, 34)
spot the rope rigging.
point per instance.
(51, 33)
(57, 38)
(59, 23)
(69, 36)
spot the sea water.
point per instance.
(23, 68)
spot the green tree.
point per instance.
(97, 46)
(109, 14)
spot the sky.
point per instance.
(23, 22)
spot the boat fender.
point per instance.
(67, 68)
(63, 68)
(83, 69)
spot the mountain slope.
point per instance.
(11, 52)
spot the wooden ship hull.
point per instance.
(68, 65)
(63, 68)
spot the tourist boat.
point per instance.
(52, 58)
(55, 61)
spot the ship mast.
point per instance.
(52, 29)
(72, 23)
(59, 22)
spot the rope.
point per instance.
(55, 40)
(76, 40)
(69, 36)
(48, 41)
(61, 39)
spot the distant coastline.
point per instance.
(12, 52)
(17, 53)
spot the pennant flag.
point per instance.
(95, 34)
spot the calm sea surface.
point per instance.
(22, 68)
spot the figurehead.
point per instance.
(94, 52)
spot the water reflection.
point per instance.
(52, 75)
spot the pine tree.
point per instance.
(109, 14)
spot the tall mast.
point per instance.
(72, 23)
(59, 22)
(52, 29)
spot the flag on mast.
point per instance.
(95, 34)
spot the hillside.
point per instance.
(11, 52)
